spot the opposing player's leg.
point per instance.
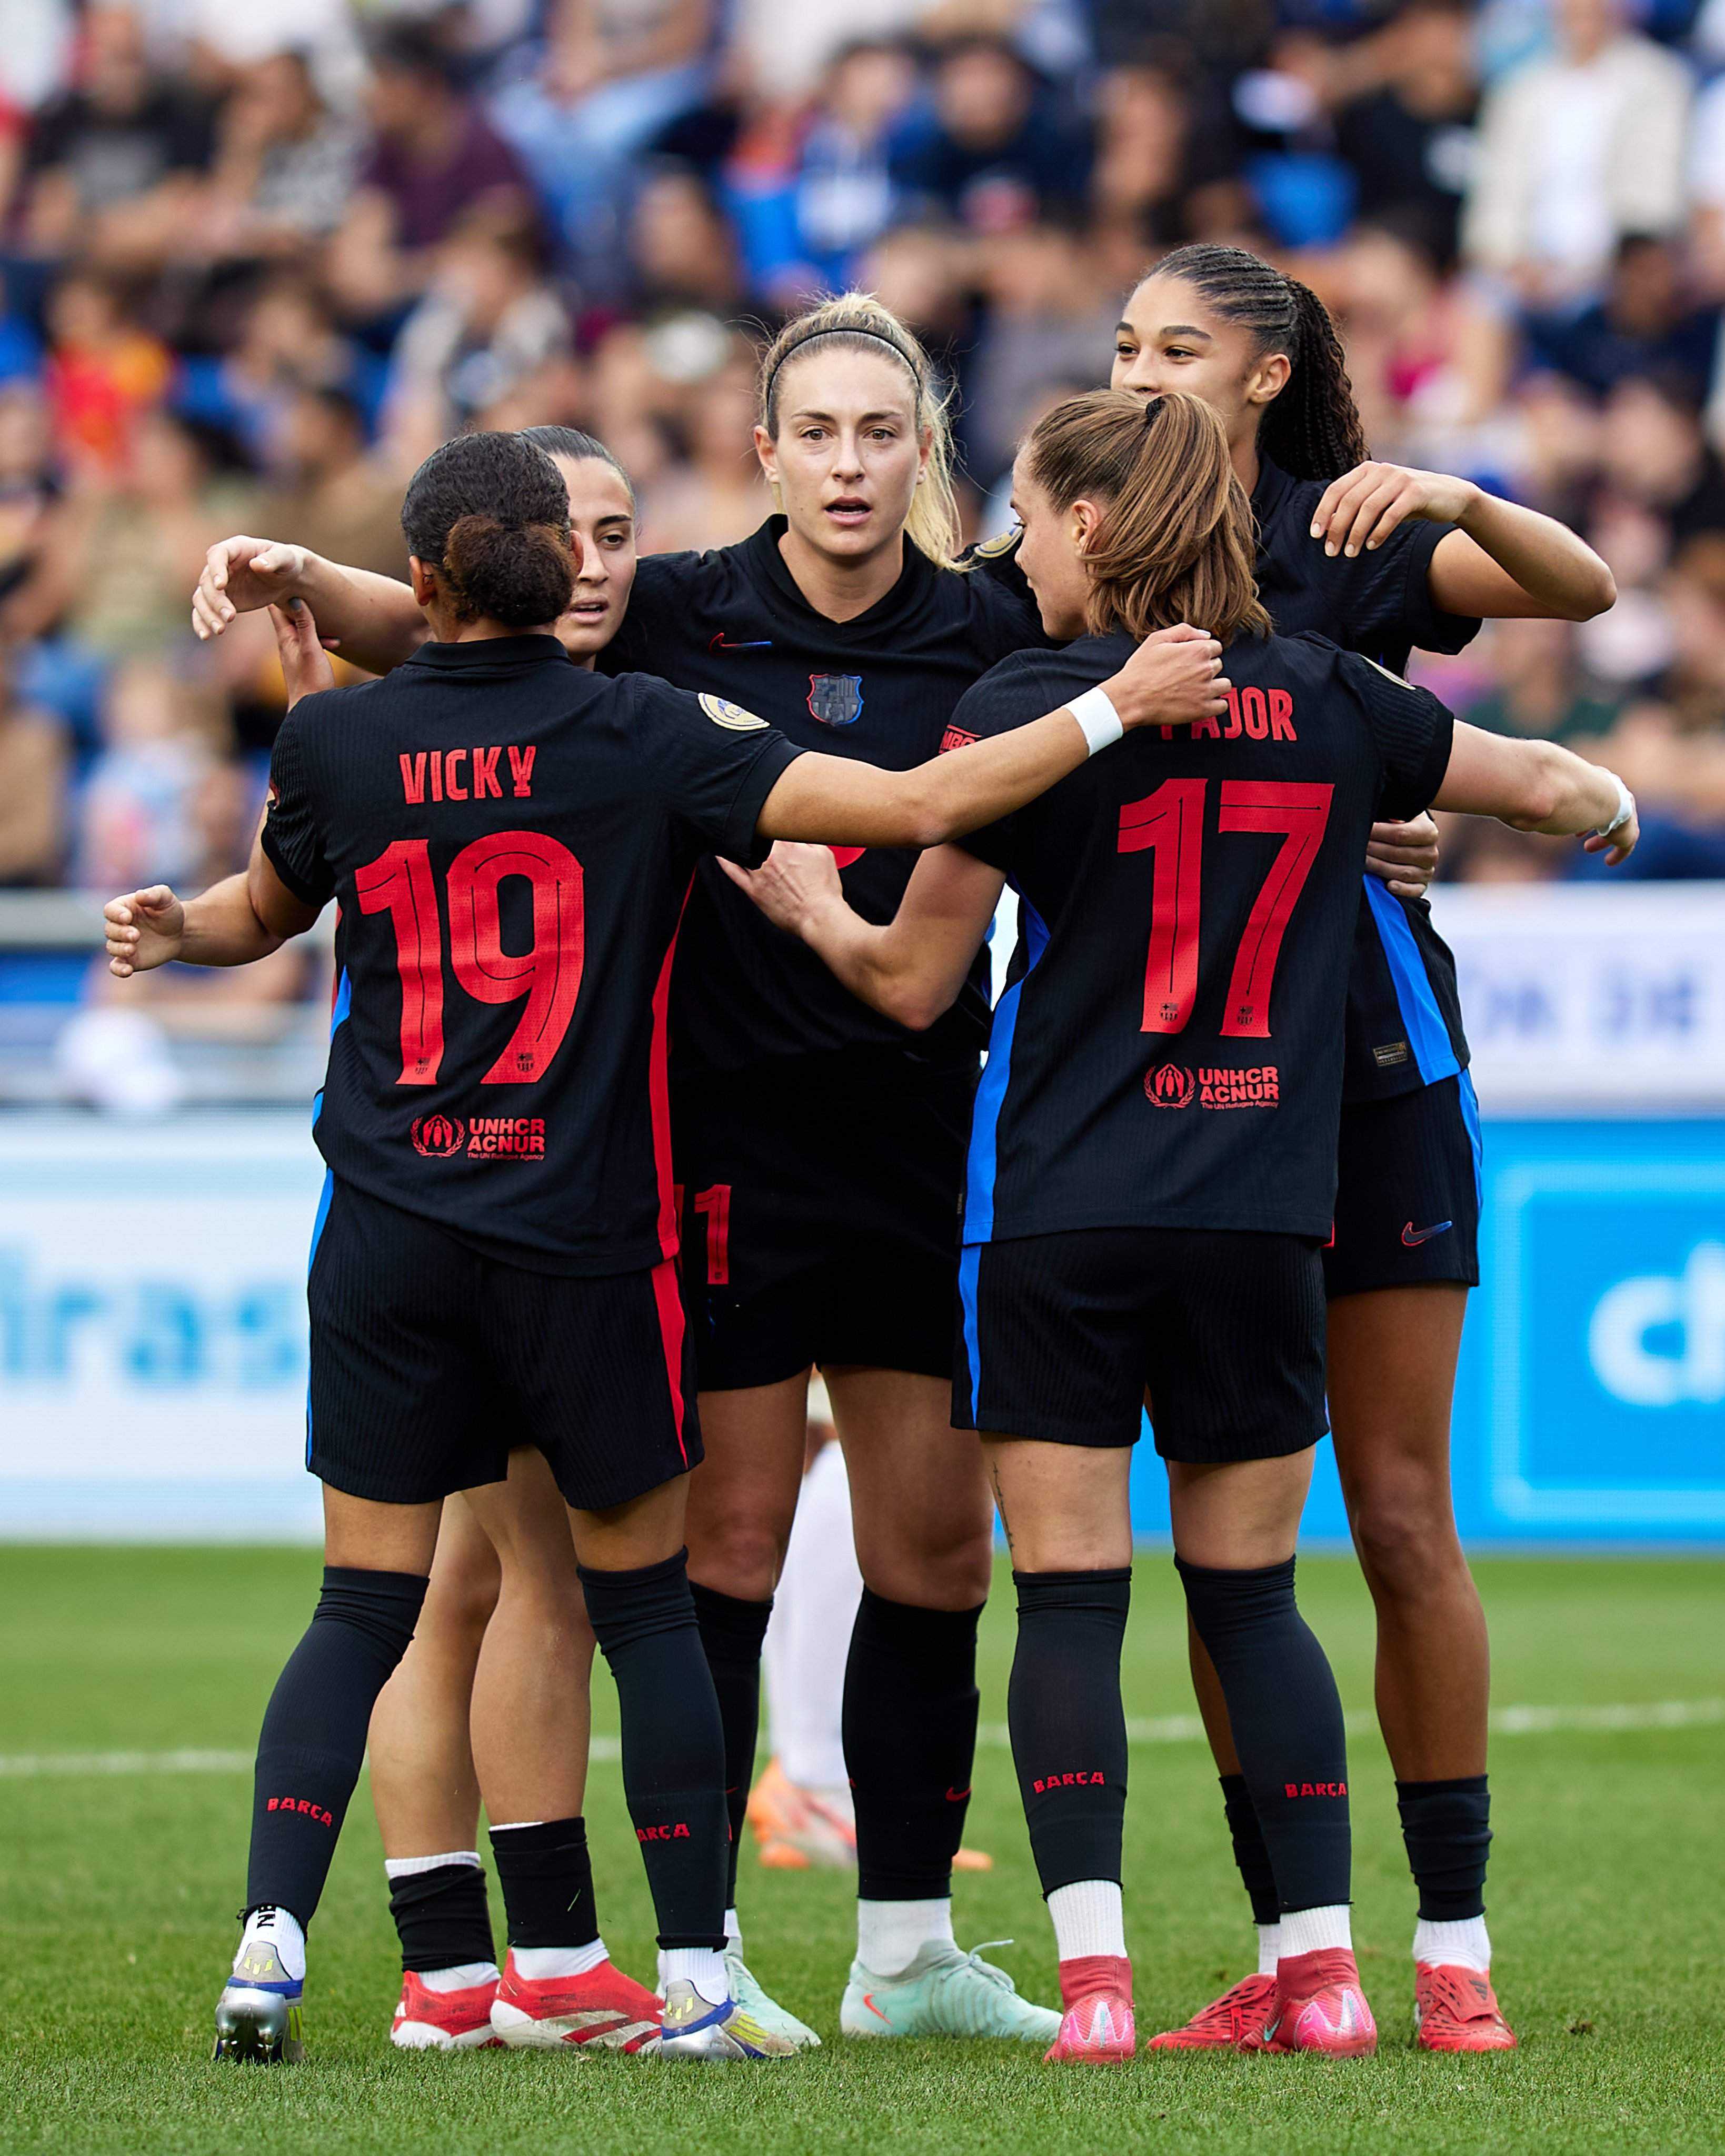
(924, 1525)
(426, 1793)
(742, 1500)
(1393, 1355)
(376, 1559)
(800, 1810)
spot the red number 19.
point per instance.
(1170, 824)
(400, 882)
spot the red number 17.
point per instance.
(1169, 823)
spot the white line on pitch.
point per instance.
(1164, 1729)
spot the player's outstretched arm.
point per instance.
(1538, 786)
(1504, 561)
(374, 619)
(1172, 679)
(241, 918)
(911, 969)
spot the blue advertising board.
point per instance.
(1590, 1402)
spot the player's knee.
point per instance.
(932, 1570)
(737, 1556)
(1405, 1535)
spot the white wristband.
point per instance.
(1098, 718)
(1625, 809)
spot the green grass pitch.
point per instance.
(117, 1890)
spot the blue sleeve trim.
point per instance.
(969, 1261)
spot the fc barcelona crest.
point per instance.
(835, 699)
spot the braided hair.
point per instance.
(1312, 429)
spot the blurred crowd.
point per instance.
(257, 259)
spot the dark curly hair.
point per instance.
(490, 514)
(1312, 430)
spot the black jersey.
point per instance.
(512, 841)
(1402, 1027)
(1404, 1024)
(881, 688)
(1168, 1050)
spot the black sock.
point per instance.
(547, 1878)
(673, 1742)
(1068, 1721)
(910, 1744)
(313, 1734)
(1447, 1826)
(1249, 1852)
(442, 1916)
(732, 1631)
(1286, 1719)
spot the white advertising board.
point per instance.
(153, 1326)
(1583, 996)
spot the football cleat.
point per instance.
(1097, 2026)
(1455, 2010)
(746, 1990)
(1319, 2006)
(603, 2010)
(797, 1828)
(427, 2020)
(1234, 2022)
(696, 2029)
(257, 2014)
(943, 1993)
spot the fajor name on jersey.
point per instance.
(1258, 714)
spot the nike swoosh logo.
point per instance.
(869, 2001)
(720, 643)
(1412, 1237)
(957, 1796)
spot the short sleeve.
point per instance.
(711, 762)
(1412, 731)
(1011, 696)
(1389, 601)
(291, 840)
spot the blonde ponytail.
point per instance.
(856, 322)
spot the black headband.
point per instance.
(839, 329)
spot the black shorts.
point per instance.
(819, 1213)
(1406, 1191)
(429, 1362)
(1060, 1336)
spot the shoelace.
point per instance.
(997, 1976)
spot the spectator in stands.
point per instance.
(435, 161)
(682, 249)
(719, 495)
(1048, 325)
(118, 559)
(1646, 322)
(113, 168)
(329, 494)
(1654, 454)
(32, 789)
(1541, 688)
(1410, 140)
(488, 320)
(137, 818)
(286, 165)
(27, 485)
(809, 198)
(1575, 152)
(287, 340)
(1144, 141)
(104, 372)
(612, 75)
(20, 348)
(997, 151)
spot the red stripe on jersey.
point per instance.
(668, 1293)
(659, 1098)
